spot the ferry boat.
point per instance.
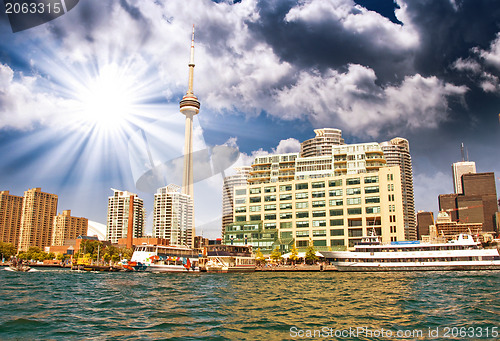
(162, 258)
(462, 253)
(227, 258)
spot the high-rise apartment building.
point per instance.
(173, 216)
(459, 169)
(239, 179)
(397, 153)
(37, 221)
(335, 211)
(67, 227)
(321, 144)
(122, 207)
(11, 207)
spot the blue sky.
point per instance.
(89, 101)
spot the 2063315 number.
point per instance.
(470, 332)
(13, 7)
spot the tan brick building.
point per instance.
(67, 227)
(37, 221)
(10, 217)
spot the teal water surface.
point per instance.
(66, 305)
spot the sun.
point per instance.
(107, 99)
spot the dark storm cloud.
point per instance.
(328, 44)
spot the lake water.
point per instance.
(67, 305)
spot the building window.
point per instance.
(239, 201)
(269, 198)
(302, 233)
(371, 189)
(301, 204)
(286, 215)
(355, 232)
(353, 201)
(285, 188)
(317, 223)
(390, 177)
(301, 186)
(269, 189)
(286, 225)
(302, 243)
(319, 242)
(337, 232)
(371, 179)
(255, 208)
(255, 199)
(255, 217)
(301, 224)
(353, 191)
(319, 203)
(318, 184)
(241, 209)
(336, 202)
(336, 242)
(268, 226)
(356, 210)
(269, 216)
(241, 191)
(335, 193)
(335, 183)
(353, 181)
(269, 207)
(337, 212)
(391, 197)
(286, 234)
(319, 233)
(240, 218)
(284, 197)
(304, 214)
(301, 195)
(254, 190)
(372, 200)
(319, 213)
(318, 194)
(374, 209)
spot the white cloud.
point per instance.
(290, 145)
(467, 64)
(492, 56)
(353, 100)
(357, 19)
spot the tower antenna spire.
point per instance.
(191, 67)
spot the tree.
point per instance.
(295, 254)
(311, 253)
(7, 250)
(276, 254)
(260, 257)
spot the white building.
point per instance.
(459, 169)
(173, 216)
(239, 179)
(119, 206)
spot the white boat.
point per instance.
(462, 253)
(227, 258)
(161, 258)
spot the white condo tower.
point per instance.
(189, 106)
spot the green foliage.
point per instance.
(311, 253)
(7, 250)
(260, 257)
(295, 254)
(276, 254)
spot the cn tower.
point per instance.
(189, 106)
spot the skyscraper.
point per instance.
(172, 216)
(119, 213)
(37, 221)
(239, 179)
(11, 207)
(189, 106)
(67, 227)
(459, 169)
(397, 153)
